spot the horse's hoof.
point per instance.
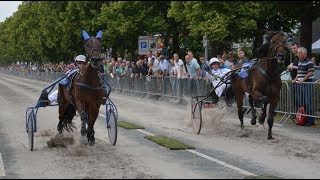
(91, 143)
(273, 140)
(83, 140)
(270, 138)
(253, 122)
(261, 122)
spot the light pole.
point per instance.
(205, 45)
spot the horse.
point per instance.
(263, 83)
(86, 93)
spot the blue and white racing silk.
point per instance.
(215, 78)
(245, 69)
(66, 80)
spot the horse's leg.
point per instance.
(239, 98)
(63, 105)
(93, 114)
(84, 120)
(253, 111)
(264, 114)
(238, 86)
(273, 104)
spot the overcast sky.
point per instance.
(7, 8)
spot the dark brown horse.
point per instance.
(85, 95)
(263, 83)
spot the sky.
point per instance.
(7, 8)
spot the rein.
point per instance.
(89, 87)
(85, 85)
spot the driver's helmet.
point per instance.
(80, 58)
(213, 60)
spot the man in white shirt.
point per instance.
(153, 65)
(181, 74)
(180, 67)
(164, 65)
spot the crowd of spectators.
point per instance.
(175, 68)
(35, 67)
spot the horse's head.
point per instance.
(277, 47)
(93, 46)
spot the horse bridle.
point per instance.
(90, 51)
(277, 55)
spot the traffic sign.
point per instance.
(146, 44)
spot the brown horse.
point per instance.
(263, 82)
(85, 95)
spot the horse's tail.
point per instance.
(68, 116)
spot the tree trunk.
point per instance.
(306, 31)
(258, 39)
(175, 42)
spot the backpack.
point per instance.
(301, 119)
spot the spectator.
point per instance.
(119, 60)
(142, 68)
(127, 69)
(122, 66)
(224, 58)
(164, 66)
(314, 61)
(180, 67)
(135, 70)
(242, 59)
(117, 70)
(305, 74)
(203, 66)
(292, 67)
(153, 64)
(231, 59)
(106, 67)
(173, 80)
(232, 66)
(181, 74)
(222, 64)
(193, 66)
(194, 73)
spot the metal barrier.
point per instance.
(175, 90)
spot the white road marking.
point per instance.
(2, 172)
(222, 163)
(102, 115)
(145, 132)
(207, 157)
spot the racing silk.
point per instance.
(217, 74)
(245, 69)
(66, 80)
(215, 78)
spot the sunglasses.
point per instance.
(81, 62)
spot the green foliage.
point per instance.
(50, 31)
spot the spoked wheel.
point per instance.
(196, 115)
(30, 129)
(112, 124)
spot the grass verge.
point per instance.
(127, 125)
(169, 143)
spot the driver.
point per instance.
(80, 62)
(215, 77)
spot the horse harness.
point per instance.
(92, 49)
